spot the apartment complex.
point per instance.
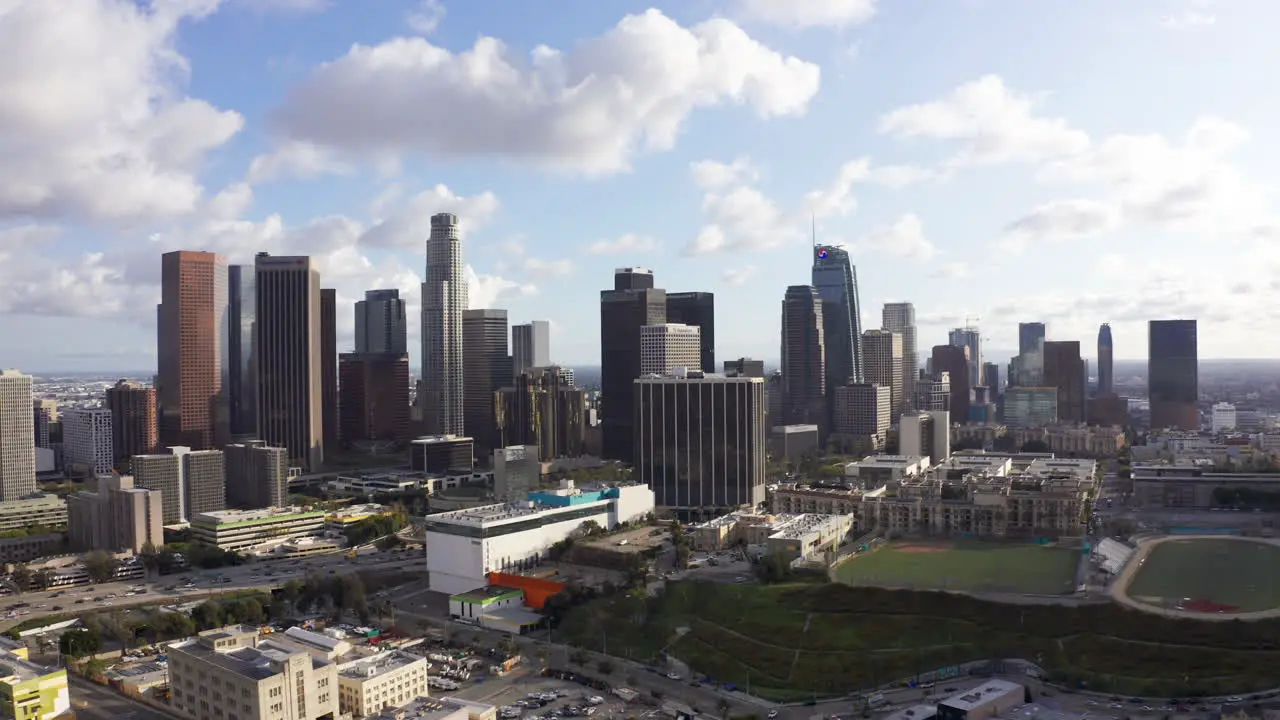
(231, 673)
(87, 441)
(390, 679)
(257, 476)
(978, 494)
(189, 481)
(117, 517)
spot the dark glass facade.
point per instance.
(1030, 336)
(1064, 370)
(487, 369)
(329, 365)
(700, 442)
(951, 359)
(1173, 374)
(632, 304)
(836, 281)
(242, 375)
(287, 346)
(697, 309)
(1106, 361)
(804, 357)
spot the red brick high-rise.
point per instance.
(191, 342)
(133, 421)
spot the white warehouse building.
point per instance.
(464, 546)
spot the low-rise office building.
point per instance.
(791, 442)
(244, 529)
(46, 511)
(807, 537)
(992, 698)
(877, 470)
(464, 546)
(387, 680)
(230, 673)
(32, 692)
(442, 708)
(1195, 486)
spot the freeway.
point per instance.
(206, 583)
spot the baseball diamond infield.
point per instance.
(1207, 577)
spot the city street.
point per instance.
(208, 583)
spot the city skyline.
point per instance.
(311, 148)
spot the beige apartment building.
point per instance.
(229, 674)
(387, 680)
(118, 516)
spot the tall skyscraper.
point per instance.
(444, 297)
(836, 282)
(133, 421)
(901, 318)
(804, 373)
(242, 372)
(951, 359)
(1106, 361)
(882, 353)
(632, 303)
(488, 370)
(700, 440)
(1030, 337)
(699, 310)
(193, 348)
(1064, 370)
(45, 416)
(17, 437)
(862, 417)
(668, 346)
(971, 340)
(287, 346)
(380, 323)
(1173, 374)
(329, 365)
(530, 346)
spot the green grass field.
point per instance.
(1238, 573)
(970, 566)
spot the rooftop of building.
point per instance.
(255, 663)
(32, 503)
(433, 708)
(440, 439)
(801, 526)
(356, 511)
(890, 461)
(376, 665)
(227, 517)
(482, 594)
(698, 376)
(537, 504)
(984, 693)
(14, 670)
(789, 429)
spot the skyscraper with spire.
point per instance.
(444, 297)
(836, 281)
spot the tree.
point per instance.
(1035, 446)
(605, 667)
(207, 615)
(150, 557)
(22, 577)
(79, 643)
(100, 566)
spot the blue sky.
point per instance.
(1002, 160)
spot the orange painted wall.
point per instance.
(536, 590)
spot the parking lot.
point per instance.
(529, 696)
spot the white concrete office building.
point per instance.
(663, 348)
(926, 433)
(464, 546)
(530, 346)
(1224, 417)
(387, 680)
(17, 436)
(230, 673)
(86, 440)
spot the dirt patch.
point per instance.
(916, 548)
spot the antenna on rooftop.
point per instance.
(813, 228)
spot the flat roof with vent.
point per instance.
(379, 664)
(981, 695)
